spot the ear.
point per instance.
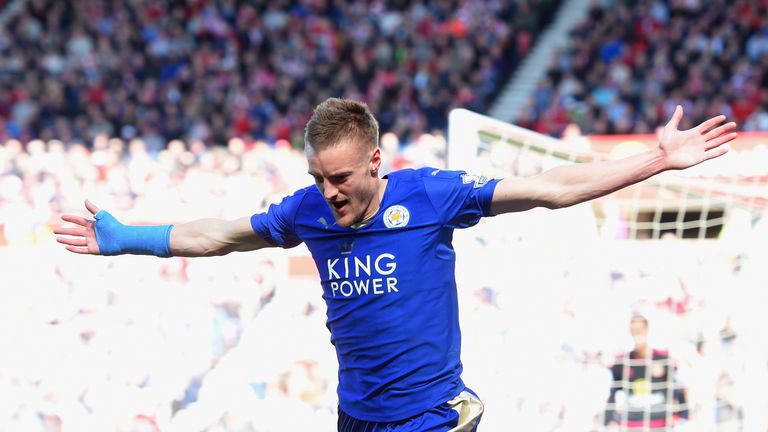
(375, 162)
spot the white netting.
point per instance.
(694, 203)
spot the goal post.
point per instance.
(696, 203)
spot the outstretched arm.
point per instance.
(104, 235)
(211, 237)
(569, 185)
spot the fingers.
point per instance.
(80, 250)
(722, 139)
(79, 241)
(91, 207)
(715, 152)
(76, 231)
(714, 133)
(709, 124)
(676, 117)
(78, 220)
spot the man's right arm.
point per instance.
(105, 235)
(214, 237)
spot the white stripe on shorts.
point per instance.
(469, 408)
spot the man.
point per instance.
(383, 250)
(652, 398)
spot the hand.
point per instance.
(683, 149)
(83, 236)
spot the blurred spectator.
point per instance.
(210, 70)
(645, 394)
(104, 325)
(228, 334)
(630, 62)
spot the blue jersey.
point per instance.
(390, 287)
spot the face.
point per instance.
(639, 331)
(348, 177)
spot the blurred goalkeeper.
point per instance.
(651, 398)
(382, 246)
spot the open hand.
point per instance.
(82, 237)
(683, 149)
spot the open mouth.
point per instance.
(338, 205)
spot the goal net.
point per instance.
(552, 292)
(694, 203)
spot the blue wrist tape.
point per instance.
(115, 238)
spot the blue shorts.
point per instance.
(460, 414)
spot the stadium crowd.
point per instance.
(630, 62)
(209, 70)
(123, 354)
(234, 343)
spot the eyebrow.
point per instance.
(338, 174)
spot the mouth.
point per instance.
(338, 205)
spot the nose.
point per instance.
(329, 190)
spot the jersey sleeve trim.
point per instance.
(481, 193)
(486, 196)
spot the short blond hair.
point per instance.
(336, 120)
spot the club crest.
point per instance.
(396, 216)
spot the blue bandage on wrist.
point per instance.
(115, 238)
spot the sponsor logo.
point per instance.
(396, 216)
(324, 222)
(357, 276)
(478, 180)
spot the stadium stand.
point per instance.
(211, 70)
(630, 62)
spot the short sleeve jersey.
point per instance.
(390, 287)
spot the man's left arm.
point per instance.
(569, 185)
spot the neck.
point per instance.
(643, 351)
(373, 205)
